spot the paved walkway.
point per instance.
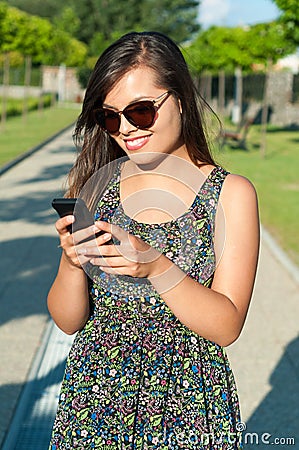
(265, 358)
(29, 259)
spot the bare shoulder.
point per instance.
(238, 188)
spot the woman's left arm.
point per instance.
(217, 313)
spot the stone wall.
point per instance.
(19, 91)
(280, 93)
(63, 81)
(282, 110)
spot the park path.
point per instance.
(265, 359)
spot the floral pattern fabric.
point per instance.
(136, 378)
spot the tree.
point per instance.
(268, 43)
(43, 8)
(177, 18)
(64, 49)
(38, 38)
(68, 21)
(220, 48)
(289, 19)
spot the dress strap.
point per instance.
(213, 183)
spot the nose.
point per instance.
(125, 126)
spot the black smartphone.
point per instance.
(76, 207)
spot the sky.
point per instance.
(232, 13)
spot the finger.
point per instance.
(84, 234)
(112, 262)
(115, 230)
(89, 248)
(70, 252)
(63, 223)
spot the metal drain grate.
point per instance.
(32, 423)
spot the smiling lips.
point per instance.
(136, 143)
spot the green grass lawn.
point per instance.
(19, 135)
(276, 178)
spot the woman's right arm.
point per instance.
(68, 299)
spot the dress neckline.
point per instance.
(168, 223)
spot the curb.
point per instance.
(28, 153)
(34, 415)
(280, 255)
(21, 407)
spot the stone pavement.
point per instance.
(29, 259)
(265, 359)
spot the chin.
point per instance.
(147, 158)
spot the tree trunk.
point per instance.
(221, 93)
(40, 100)
(206, 87)
(5, 90)
(237, 111)
(265, 107)
(28, 63)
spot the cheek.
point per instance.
(119, 141)
(172, 124)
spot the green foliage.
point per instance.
(268, 41)
(42, 8)
(221, 48)
(67, 21)
(37, 37)
(16, 59)
(177, 18)
(30, 35)
(15, 106)
(289, 19)
(99, 43)
(83, 75)
(65, 50)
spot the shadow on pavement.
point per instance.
(278, 414)
(33, 421)
(49, 173)
(30, 265)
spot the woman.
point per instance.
(147, 369)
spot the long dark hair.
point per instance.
(159, 53)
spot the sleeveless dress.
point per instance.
(136, 378)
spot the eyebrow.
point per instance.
(137, 99)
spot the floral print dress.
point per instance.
(136, 378)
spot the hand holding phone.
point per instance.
(76, 207)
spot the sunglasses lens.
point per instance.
(141, 114)
(111, 122)
(107, 119)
